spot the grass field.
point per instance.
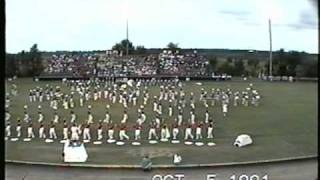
(284, 125)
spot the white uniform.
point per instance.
(74, 133)
(123, 135)
(30, 132)
(65, 133)
(206, 118)
(152, 133)
(137, 133)
(56, 118)
(18, 130)
(210, 134)
(86, 133)
(170, 111)
(107, 118)
(188, 133)
(52, 133)
(143, 117)
(224, 109)
(90, 119)
(42, 133)
(110, 133)
(179, 119)
(165, 134)
(175, 132)
(198, 133)
(125, 118)
(73, 118)
(99, 132)
(193, 118)
(8, 131)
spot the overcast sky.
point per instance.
(99, 24)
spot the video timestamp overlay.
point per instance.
(211, 176)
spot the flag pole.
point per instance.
(270, 52)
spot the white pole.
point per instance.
(270, 52)
(127, 48)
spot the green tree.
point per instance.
(226, 67)
(122, 46)
(35, 58)
(173, 47)
(213, 63)
(140, 50)
(238, 67)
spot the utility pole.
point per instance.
(270, 52)
(127, 48)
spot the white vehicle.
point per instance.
(242, 140)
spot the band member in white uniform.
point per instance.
(99, 131)
(52, 131)
(8, 130)
(137, 132)
(90, 118)
(152, 132)
(73, 117)
(122, 132)
(224, 109)
(188, 132)
(107, 116)
(125, 117)
(40, 117)
(111, 131)
(210, 131)
(170, 111)
(65, 130)
(198, 131)
(192, 118)
(180, 118)
(206, 116)
(56, 117)
(18, 128)
(42, 134)
(165, 134)
(74, 132)
(86, 132)
(30, 131)
(26, 117)
(175, 131)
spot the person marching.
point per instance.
(188, 132)
(198, 131)
(110, 131)
(52, 131)
(99, 131)
(137, 132)
(86, 133)
(65, 130)
(122, 132)
(30, 131)
(210, 130)
(8, 130)
(175, 131)
(107, 116)
(18, 128)
(73, 117)
(42, 134)
(152, 132)
(74, 132)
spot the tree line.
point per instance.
(25, 63)
(292, 63)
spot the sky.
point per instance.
(99, 24)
